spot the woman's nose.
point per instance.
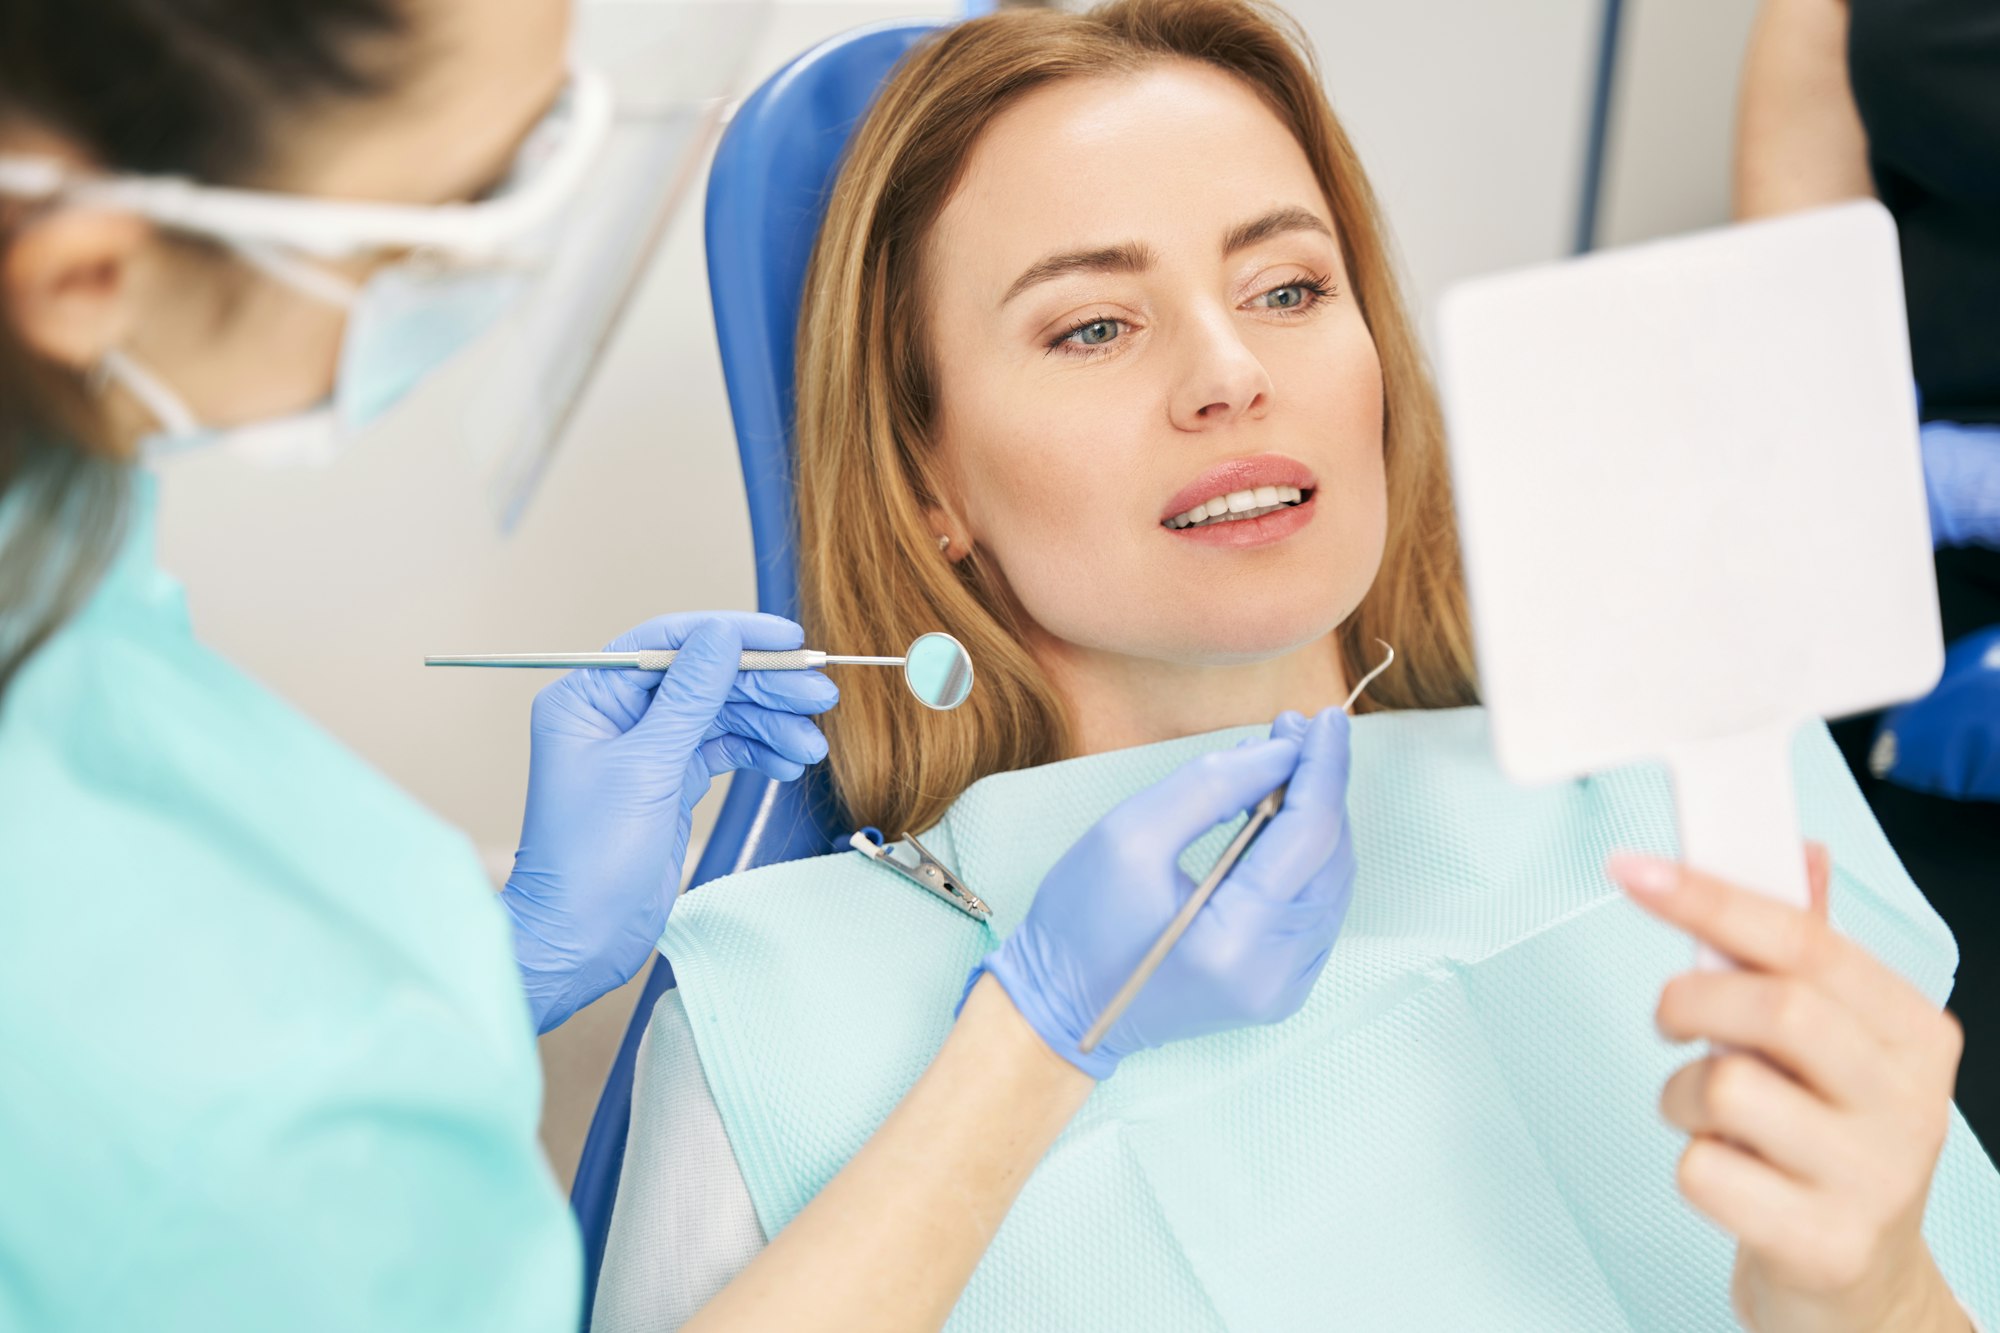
(1224, 380)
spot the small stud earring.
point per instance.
(944, 543)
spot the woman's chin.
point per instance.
(1238, 639)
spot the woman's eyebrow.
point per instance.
(1277, 222)
(1136, 257)
(1126, 257)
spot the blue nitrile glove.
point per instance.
(1254, 950)
(1948, 742)
(617, 762)
(1962, 483)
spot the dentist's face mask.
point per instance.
(459, 269)
(404, 322)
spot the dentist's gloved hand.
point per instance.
(617, 762)
(1962, 483)
(1254, 950)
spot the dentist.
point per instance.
(263, 1061)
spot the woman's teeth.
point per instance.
(1238, 505)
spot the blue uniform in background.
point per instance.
(265, 1060)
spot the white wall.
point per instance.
(1673, 118)
(1470, 117)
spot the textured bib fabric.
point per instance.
(1458, 1131)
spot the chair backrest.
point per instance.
(766, 195)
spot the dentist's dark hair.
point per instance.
(195, 88)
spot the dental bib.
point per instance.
(1458, 1131)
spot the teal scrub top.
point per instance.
(264, 1058)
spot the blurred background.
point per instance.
(1496, 134)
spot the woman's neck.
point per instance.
(1116, 701)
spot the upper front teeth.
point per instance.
(1254, 503)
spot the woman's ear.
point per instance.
(67, 281)
(952, 543)
(937, 496)
(940, 497)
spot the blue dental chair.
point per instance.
(766, 194)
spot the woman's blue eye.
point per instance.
(1088, 336)
(1286, 297)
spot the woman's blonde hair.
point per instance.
(871, 572)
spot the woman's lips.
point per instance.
(1240, 474)
(1272, 527)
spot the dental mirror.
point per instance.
(938, 671)
(936, 667)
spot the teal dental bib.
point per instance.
(1457, 1132)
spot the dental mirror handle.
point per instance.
(795, 659)
(1738, 812)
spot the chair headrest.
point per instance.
(767, 193)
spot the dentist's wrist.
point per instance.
(548, 977)
(1013, 971)
(1014, 1051)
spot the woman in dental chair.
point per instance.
(1103, 369)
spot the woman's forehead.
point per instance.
(1173, 156)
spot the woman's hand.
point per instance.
(1251, 954)
(618, 761)
(1817, 1122)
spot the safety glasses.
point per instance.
(547, 174)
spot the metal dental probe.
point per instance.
(1260, 816)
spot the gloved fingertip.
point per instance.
(804, 750)
(806, 693)
(796, 737)
(711, 655)
(1326, 735)
(770, 633)
(1322, 770)
(812, 692)
(1250, 772)
(1275, 748)
(721, 632)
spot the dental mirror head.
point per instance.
(938, 671)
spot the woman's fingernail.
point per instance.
(1643, 874)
